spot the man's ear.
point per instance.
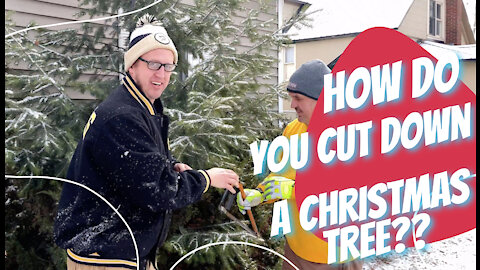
(130, 70)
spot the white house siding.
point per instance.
(44, 12)
(415, 22)
(469, 74)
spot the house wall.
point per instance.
(415, 22)
(326, 50)
(44, 12)
(289, 10)
(268, 15)
(469, 74)
(467, 35)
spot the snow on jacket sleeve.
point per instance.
(132, 158)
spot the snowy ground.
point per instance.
(456, 253)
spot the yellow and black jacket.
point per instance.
(123, 156)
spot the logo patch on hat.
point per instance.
(162, 38)
(292, 85)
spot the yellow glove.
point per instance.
(253, 198)
(277, 187)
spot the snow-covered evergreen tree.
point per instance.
(42, 125)
(217, 100)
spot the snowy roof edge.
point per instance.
(464, 52)
(329, 37)
(300, 1)
(339, 26)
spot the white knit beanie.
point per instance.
(149, 35)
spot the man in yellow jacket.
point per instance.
(303, 248)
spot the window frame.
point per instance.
(287, 50)
(435, 20)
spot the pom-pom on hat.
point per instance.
(308, 79)
(148, 35)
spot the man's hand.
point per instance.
(223, 178)
(181, 167)
(253, 198)
(277, 187)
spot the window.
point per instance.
(435, 19)
(289, 55)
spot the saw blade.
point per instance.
(238, 222)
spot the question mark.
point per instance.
(425, 218)
(400, 247)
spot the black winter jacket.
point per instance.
(124, 157)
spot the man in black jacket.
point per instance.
(124, 156)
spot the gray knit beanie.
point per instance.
(308, 79)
